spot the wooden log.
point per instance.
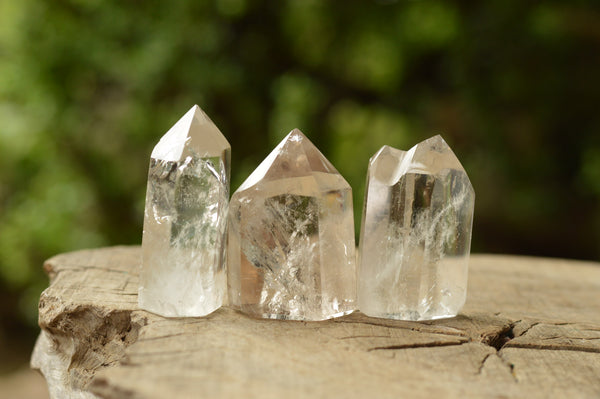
(530, 328)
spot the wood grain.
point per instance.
(530, 328)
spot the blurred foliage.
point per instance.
(88, 87)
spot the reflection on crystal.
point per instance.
(291, 237)
(183, 260)
(416, 233)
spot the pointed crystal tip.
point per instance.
(429, 157)
(294, 156)
(436, 154)
(295, 135)
(194, 134)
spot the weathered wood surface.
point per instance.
(530, 328)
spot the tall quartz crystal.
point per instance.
(416, 233)
(184, 243)
(291, 237)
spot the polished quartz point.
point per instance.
(185, 220)
(416, 233)
(291, 237)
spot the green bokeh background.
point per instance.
(87, 87)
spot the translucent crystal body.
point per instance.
(184, 242)
(416, 233)
(291, 237)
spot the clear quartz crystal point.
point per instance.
(291, 237)
(185, 220)
(416, 233)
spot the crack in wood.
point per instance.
(538, 341)
(366, 336)
(485, 358)
(458, 333)
(161, 337)
(522, 333)
(510, 366)
(517, 345)
(499, 339)
(561, 337)
(417, 345)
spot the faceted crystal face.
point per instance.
(185, 220)
(416, 233)
(291, 237)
